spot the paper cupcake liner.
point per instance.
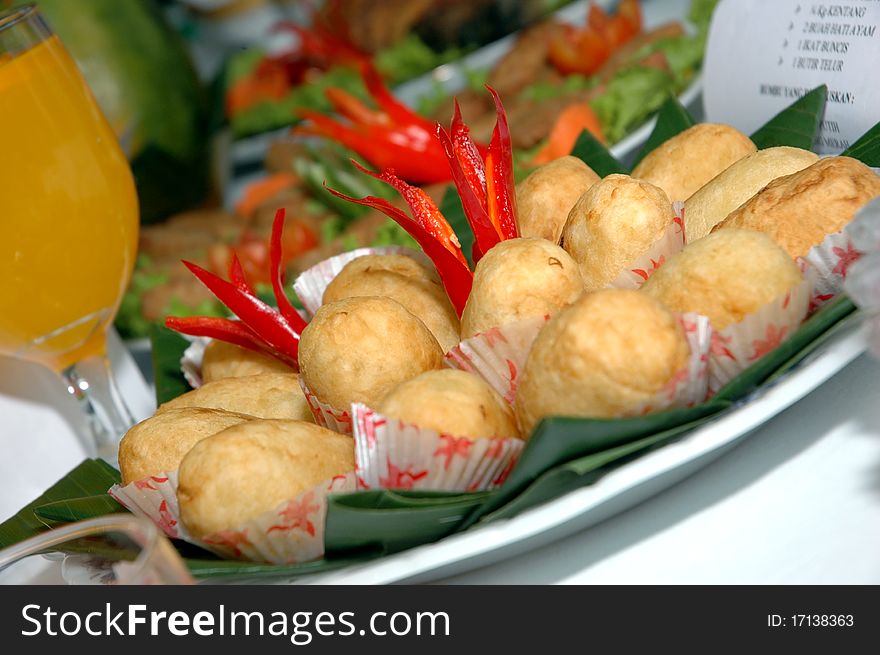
(830, 261)
(311, 283)
(738, 346)
(690, 385)
(332, 418)
(390, 454)
(293, 532)
(191, 360)
(672, 240)
(498, 355)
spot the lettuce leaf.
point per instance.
(631, 96)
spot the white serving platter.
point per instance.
(619, 490)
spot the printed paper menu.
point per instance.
(762, 55)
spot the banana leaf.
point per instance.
(383, 521)
(867, 147)
(167, 348)
(596, 156)
(797, 125)
(90, 478)
(672, 119)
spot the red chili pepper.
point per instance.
(485, 186)
(430, 230)
(288, 311)
(501, 196)
(225, 329)
(392, 136)
(261, 327)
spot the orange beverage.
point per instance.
(68, 211)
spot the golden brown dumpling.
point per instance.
(408, 282)
(545, 197)
(518, 279)
(687, 161)
(267, 395)
(358, 349)
(451, 402)
(157, 444)
(239, 473)
(606, 355)
(725, 276)
(226, 360)
(612, 225)
(799, 210)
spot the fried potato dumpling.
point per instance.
(518, 279)
(451, 402)
(799, 210)
(684, 163)
(226, 360)
(740, 181)
(157, 444)
(251, 468)
(267, 395)
(612, 225)
(403, 279)
(604, 356)
(545, 197)
(358, 349)
(725, 276)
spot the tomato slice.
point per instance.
(578, 51)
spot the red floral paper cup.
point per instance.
(831, 260)
(673, 240)
(498, 355)
(332, 418)
(291, 533)
(391, 454)
(311, 284)
(738, 346)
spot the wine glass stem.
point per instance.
(92, 383)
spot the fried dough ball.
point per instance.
(725, 276)
(157, 444)
(518, 279)
(358, 349)
(451, 402)
(267, 395)
(606, 355)
(545, 197)
(226, 360)
(405, 280)
(612, 225)
(251, 468)
(799, 210)
(684, 163)
(734, 185)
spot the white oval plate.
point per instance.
(615, 492)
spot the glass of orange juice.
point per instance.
(68, 221)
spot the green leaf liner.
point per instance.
(672, 119)
(78, 509)
(90, 478)
(167, 348)
(384, 521)
(797, 125)
(866, 148)
(596, 156)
